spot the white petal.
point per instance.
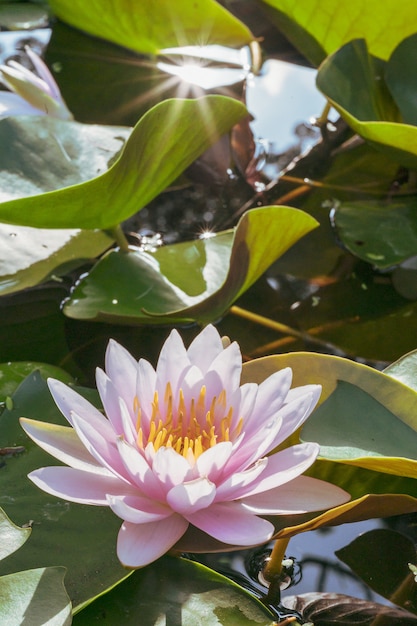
(171, 468)
(145, 389)
(63, 443)
(137, 509)
(191, 496)
(230, 523)
(78, 486)
(110, 400)
(301, 495)
(12, 104)
(271, 396)
(68, 401)
(205, 348)
(141, 544)
(173, 362)
(228, 366)
(121, 368)
(211, 462)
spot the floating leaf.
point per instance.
(321, 27)
(401, 79)
(166, 140)
(405, 370)
(34, 597)
(12, 374)
(12, 537)
(197, 280)
(341, 77)
(384, 235)
(23, 16)
(150, 25)
(180, 592)
(32, 255)
(381, 558)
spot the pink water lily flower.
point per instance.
(32, 94)
(185, 444)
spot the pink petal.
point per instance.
(238, 482)
(230, 522)
(301, 495)
(312, 393)
(213, 460)
(139, 471)
(191, 496)
(43, 71)
(137, 509)
(78, 486)
(140, 544)
(121, 368)
(12, 104)
(171, 468)
(272, 394)
(205, 348)
(63, 443)
(282, 468)
(102, 448)
(69, 401)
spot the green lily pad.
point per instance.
(319, 28)
(166, 140)
(23, 16)
(401, 79)
(12, 537)
(180, 592)
(381, 235)
(151, 25)
(197, 280)
(34, 597)
(14, 373)
(352, 71)
(405, 370)
(30, 256)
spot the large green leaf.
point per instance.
(197, 280)
(151, 25)
(12, 537)
(384, 235)
(176, 591)
(14, 373)
(166, 140)
(30, 256)
(328, 24)
(346, 78)
(35, 597)
(405, 370)
(401, 79)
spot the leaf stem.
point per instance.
(120, 238)
(273, 567)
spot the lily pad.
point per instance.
(166, 140)
(381, 235)
(319, 28)
(12, 537)
(30, 256)
(197, 280)
(180, 592)
(151, 25)
(14, 373)
(405, 370)
(341, 77)
(34, 597)
(23, 16)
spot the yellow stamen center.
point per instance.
(189, 430)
